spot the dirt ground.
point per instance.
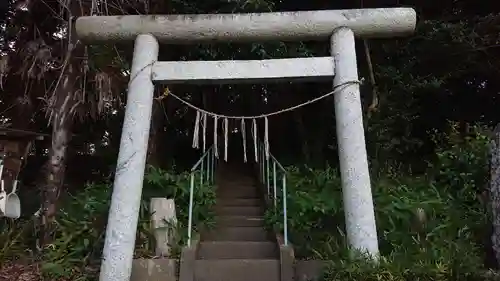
(17, 271)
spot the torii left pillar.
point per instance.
(127, 189)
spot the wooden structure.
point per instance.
(15, 146)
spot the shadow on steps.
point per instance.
(239, 248)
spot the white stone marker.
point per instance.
(163, 224)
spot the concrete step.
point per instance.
(239, 202)
(239, 211)
(239, 221)
(238, 250)
(226, 185)
(236, 182)
(239, 233)
(237, 270)
(237, 194)
(231, 175)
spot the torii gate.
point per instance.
(340, 26)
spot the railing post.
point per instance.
(123, 216)
(267, 177)
(264, 162)
(274, 182)
(201, 170)
(285, 216)
(214, 164)
(257, 161)
(263, 165)
(259, 152)
(190, 214)
(208, 168)
(356, 189)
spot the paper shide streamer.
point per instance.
(244, 138)
(204, 118)
(201, 121)
(255, 143)
(216, 145)
(196, 131)
(226, 137)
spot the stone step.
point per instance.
(239, 221)
(224, 184)
(238, 250)
(238, 233)
(238, 194)
(227, 185)
(237, 270)
(239, 202)
(228, 196)
(239, 210)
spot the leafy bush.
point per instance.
(428, 226)
(388, 269)
(204, 196)
(314, 208)
(81, 222)
(13, 240)
(462, 166)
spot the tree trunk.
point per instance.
(495, 191)
(55, 168)
(62, 121)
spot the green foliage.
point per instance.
(81, 222)
(80, 231)
(12, 237)
(314, 207)
(389, 269)
(429, 228)
(463, 162)
(204, 197)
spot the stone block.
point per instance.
(154, 270)
(163, 224)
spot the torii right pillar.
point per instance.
(356, 188)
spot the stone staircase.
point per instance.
(238, 248)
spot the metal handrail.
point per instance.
(205, 168)
(270, 172)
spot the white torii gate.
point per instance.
(340, 26)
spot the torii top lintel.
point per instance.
(284, 26)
